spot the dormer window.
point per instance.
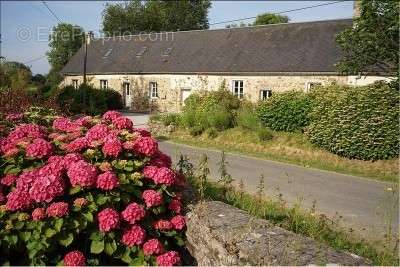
(142, 51)
(107, 53)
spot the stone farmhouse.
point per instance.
(162, 70)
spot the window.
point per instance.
(238, 89)
(153, 90)
(103, 84)
(75, 83)
(265, 94)
(311, 85)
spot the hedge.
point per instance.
(356, 122)
(286, 111)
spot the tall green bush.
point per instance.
(286, 111)
(88, 100)
(356, 122)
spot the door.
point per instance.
(128, 95)
(185, 93)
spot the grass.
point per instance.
(291, 148)
(295, 219)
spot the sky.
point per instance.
(25, 25)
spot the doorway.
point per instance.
(185, 93)
(128, 94)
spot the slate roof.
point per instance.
(307, 47)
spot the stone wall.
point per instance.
(219, 234)
(170, 86)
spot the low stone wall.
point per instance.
(219, 234)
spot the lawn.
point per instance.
(291, 148)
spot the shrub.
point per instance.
(170, 119)
(286, 111)
(88, 100)
(264, 134)
(356, 122)
(89, 191)
(212, 132)
(196, 130)
(247, 118)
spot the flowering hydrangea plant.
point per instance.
(90, 191)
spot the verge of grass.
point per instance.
(299, 221)
(291, 148)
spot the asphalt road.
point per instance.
(362, 203)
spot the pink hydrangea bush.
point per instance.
(89, 190)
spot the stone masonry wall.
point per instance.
(170, 86)
(219, 234)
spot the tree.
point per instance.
(65, 41)
(39, 79)
(371, 45)
(270, 18)
(15, 75)
(137, 16)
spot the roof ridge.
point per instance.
(227, 29)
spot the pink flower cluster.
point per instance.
(107, 181)
(82, 173)
(57, 209)
(122, 123)
(65, 125)
(135, 235)
(74, 258)
(161, 175)
(112, 147)
(152, 198)
(14, 116)
(170, 258)
(146, 146)
(108, 219)
(111, 115)
(39, 148)
(46, 188)
(153, 247)
(133, 213)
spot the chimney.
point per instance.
(356, 9)
(89, 37)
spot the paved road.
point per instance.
(361, 202)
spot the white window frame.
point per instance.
(310, 84)
(103, 84)
(269, 94)
(153, 90)
(238, 88)
(75, 83)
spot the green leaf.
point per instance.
(19, 225)
(58, 224)
(96, 247)
(126, 257)
(96, 236)
(101, 200)
(169, 233)
(110, 247)
(88, 216)
(50, 232)
(74, 190)
(66, 240)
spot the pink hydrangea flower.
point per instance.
(15, 116)
(71, 158)
(39, 148)
(46, 188)
(153, 247)
(9, 153)
(152, 198)
(18, 200)
(77, 145)
(56, 159)
(128, 145)
(57, 209)
(61, 124)
(112, 147)
(133, 213)
(82, 173)
(25, 180)
(80, 202)
(122, 123)
(51, 168)
(175, 205)
(160, 159)
(107, 181)
(74, 258)
(2, 197)
(111, 115)
(9, 179)
(27, 130)
(163, 225)
(38, 214)
(146, 146)
(168, 259)
(97, 132)
(178, 222)
(133, 236)
(108, 219)
(164, 175)
(150, 171)
(83, 121)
